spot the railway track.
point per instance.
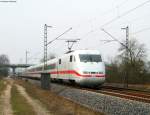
(123, 93)
(131, 94)
(128, 94)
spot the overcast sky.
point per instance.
(22, 24)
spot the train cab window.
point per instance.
(90, 58)
(71, 58)
(59, 61)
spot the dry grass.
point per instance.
(56, 104)
(140, 87)
(2, 86)
(19, 103)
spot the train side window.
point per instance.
(71, 58)
(59, 61)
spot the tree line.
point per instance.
(4, 71)
(133, 66)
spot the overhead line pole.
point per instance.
(27, 57)
(45, 77)
(47, 43)
(127, 52)
(127, 56)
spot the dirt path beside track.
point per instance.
(37, 106)
(18, 97)
(5, 106)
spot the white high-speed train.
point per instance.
(84, 67)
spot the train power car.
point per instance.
(84, 67)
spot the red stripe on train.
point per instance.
(76, 73)
(71, 72)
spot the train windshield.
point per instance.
(90, 58)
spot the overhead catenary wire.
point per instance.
(114, 39)
(131, 21)
(125, 13)
(59, 36)
(122, 3)
(39, 53)
(102, 15)
(116, 18)
(35, 56)
(139, 31)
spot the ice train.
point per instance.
(84, 67)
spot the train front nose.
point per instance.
(91, 80)
(93, 73)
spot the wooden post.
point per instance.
(45, 81)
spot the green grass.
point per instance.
(19, 103)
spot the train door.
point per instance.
(70, 66)
(66, 67)
(62, 68)
(59, 62)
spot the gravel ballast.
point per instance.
(110, 105)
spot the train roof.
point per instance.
(81, 51)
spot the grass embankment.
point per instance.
(56, 104)
(2, 86)
(19, 103)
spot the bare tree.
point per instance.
(148, 66)
(136, 51)
(133, 66)
(4, 60)
(135, 62)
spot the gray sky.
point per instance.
(22, 23)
